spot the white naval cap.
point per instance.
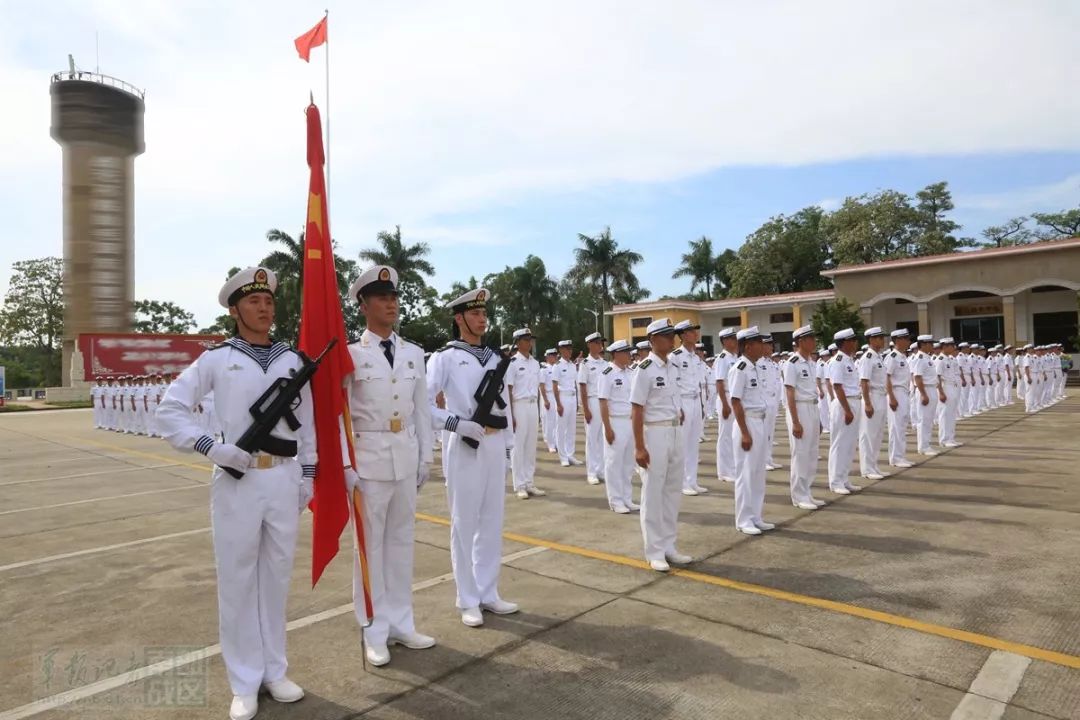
(750, 333)
(644, 345)
(948, 341)
(901, 333)
(565, 343)
(699, 346)
(470, 301)
(551, 351)
(506, 347)
(865, 347)
(597, 337)
(804, 331)
(1008, 347)
(832, 347)
(845, 334)
(662, 326)
(247, 281)
(875, 331)
(619, 346)
(963, 345)
(377, 279)
(925, 339)
(522, 333)
(728, 332)
(686, 325)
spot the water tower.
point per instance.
(98, 120)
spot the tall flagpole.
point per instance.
(327, 21)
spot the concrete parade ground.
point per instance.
(948, 590)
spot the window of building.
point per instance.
(731, 321)
(1055, 327)
(777, 318)
(969, 294)
(912, 327)
(636, 339)
(983, 330)
(781, 341)
(640, 322)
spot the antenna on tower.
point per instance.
(97, 55)
(71, 63)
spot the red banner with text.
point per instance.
(112, 354)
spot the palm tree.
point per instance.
(722, 273)
(288, 265)
(699, 265)
(608, 268)
(410, 261)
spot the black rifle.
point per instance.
(274, 404)
(487, 396)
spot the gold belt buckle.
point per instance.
(395, 425)
(264, 462)
(490, 430)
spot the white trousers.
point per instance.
(594, 441)
(772, 410)
(151, 418)
(842, 442)
(804, 450)
(871, 431)
(619, 463)
(551, 424)
(898, 425)
(566, 435)
(475, 490)
(749, 472)
(693, 426)
(254, 521)
(924, 418)
(661, 490)
(389, 519)
(1031, 396)
(725, 457)
(823, 412)
(523, 457)
(947, 414)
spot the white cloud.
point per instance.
(829, 204)
(444, 108)
(1051, 197)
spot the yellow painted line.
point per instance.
(140, 453)
(987, 641)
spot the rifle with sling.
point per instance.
(487, 396)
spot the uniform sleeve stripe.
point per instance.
(203, 444)
(452, 423)
(308, 470)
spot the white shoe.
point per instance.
(413, 640)
(841, 491)
(535, 491)
(500, 607)
(620, 509)
(592, 479)
(701, 490)
(751, 530)
(575, 461)
(854, 488)
(659, 565)
(954, 444)
(874, 476)
(284, 690)
(929, 453)
(903, 464)
(805, 505)
(727, 478)
(243, 707)
(765, 526)
(553, 450)
(633, 506)
(689, 491)
(677, 558)
(472, 617)
(522, 494)
(564, 463)
(377, 655)
(773, 466)
(819, 503)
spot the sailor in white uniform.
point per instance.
(928, 393)
(845, 426)
(872, 418)
(523, 382)
(564, 386)
(588, 375)
(803, 422)
(614, 393)
(725, 457)
(255, 518)
(749, 440)
(394, 449)
(898, 389)
(691, 373)
(550, 412)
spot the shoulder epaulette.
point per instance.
(217, 346)
(513, 358)
(676, 351)
(444, 347)
(741, 365)
(607, 370)
(414, 343)
(836, 359)
(645, 363)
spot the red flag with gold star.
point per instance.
(320, 320)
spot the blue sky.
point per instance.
(492, 130)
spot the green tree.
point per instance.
(158, 316)
(1012, 232)
(784, 255)
(525, 294)
(1056, 225)
(607, 268)
(411, 264)
(722, 274)
(33, 311)
(831, 317)
(872, 228)
(223, 324)
(935, 234)
(699, 265)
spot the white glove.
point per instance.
(307, 491)
(227, 455)
(469, 429)
(423, 474)
(351, 479)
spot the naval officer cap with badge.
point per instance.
(391, 419)
(478, 415)
(254, 517)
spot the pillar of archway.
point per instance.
(924, 318)
(1008, 312)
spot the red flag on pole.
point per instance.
(321, 320)
(313, 38)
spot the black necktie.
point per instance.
(386, 345)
